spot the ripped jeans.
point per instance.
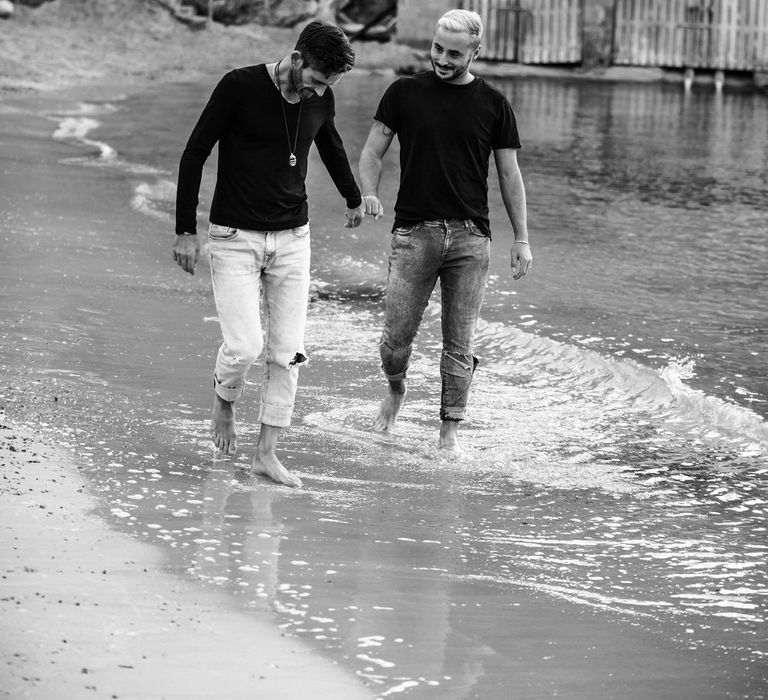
(457, 253)
(246, 267)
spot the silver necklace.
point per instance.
(292, 151)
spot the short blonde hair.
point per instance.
(462, 21)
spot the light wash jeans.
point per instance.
(247, 266)
(457, 253)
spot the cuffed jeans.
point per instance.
(457, 253)
(246, 266)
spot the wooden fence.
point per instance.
(716, 34)
(530, 31)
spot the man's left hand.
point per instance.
(186, 252)
(354, 216)
(522, 259)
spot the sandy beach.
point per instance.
(112, 47)
(135, 563)
(87, 611)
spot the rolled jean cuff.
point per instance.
(228, 393)
(278, 416)
(398, 377)
(456, 414)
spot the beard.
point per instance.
(294, 80)
(306, 93)
(450, 74)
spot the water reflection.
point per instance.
(654, 141)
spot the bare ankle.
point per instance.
(449, 430)
(263, 454)
(222, 405)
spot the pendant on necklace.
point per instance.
(292, 160)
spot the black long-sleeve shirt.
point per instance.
(256, 188)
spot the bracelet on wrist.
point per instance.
(523, 243)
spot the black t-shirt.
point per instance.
(446, 133)
(256, 188)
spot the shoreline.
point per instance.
(87, 609)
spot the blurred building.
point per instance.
(712, 35)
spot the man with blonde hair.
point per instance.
(458, 21)
(448, 123)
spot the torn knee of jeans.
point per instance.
(298, 359)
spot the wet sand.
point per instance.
(87, 611)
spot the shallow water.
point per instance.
(618, 449)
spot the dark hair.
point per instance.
(325, 48)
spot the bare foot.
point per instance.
(451, 451)
(390, 407)
(223, 425)
(270, 466)
(449, 439)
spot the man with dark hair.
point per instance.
(448, 122)
(326, 48)
(264, 118)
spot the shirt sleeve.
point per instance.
(334, 157)
(388, 112)
(505, 134)
(206, 133)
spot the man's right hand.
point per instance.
(186, 252)
(372, 206)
